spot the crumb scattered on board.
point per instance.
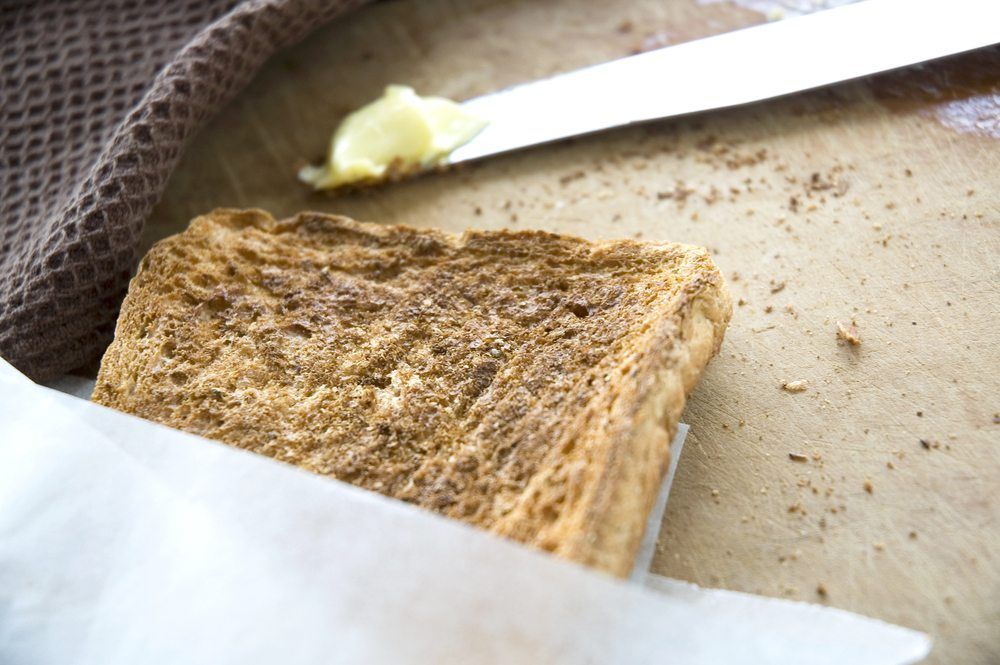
(927, 444)
(795, 386)
(848, 334)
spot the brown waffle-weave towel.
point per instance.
(97, 98)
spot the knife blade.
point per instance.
(740, 67)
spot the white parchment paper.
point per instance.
(122, 541)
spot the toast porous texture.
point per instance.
(525, 382)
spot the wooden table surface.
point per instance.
(875, 202)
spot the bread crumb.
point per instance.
(570, 177)
(913, 535)
(795, 386)
(879, 547)
(777, 287)
(821, 590)
(797, 457)
(848, 334)
(869, 487)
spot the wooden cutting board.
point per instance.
(875, 202)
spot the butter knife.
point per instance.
(749, 65)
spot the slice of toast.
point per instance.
(525, 382)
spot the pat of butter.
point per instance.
(399, 132)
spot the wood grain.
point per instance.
(894, 225)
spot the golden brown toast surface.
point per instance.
(524, 382)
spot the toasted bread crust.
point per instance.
(525, 382)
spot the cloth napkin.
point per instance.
(97, 100)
